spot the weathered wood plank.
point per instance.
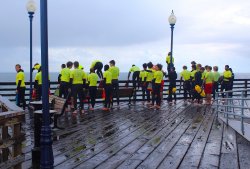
(132, 133)
(176, 155)
(243, 152)
(211, 156)
(229, 156)
(154, 136)
(195, 151)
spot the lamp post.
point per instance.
(31, 8)
(47, 159)
(172, 21)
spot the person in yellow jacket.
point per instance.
(168, 61)
(97, 66)
(107, 84)
(64, 77)
(227, 76)
(20, 86)
(115, 71)
(149, 78)
(92, 79)
(156, 93)
(77, 80)
(38, 84)
(143, 76)
(186, 77)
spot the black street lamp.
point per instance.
(172, 21)
(47, 159)
(31, 8)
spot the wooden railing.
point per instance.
(11, 117)
(7, 89)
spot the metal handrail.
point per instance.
(229, 107)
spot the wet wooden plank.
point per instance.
(153, 136)
(103, 145)
(114, 148)
(195, 151)
(211, 156)
(160, 152)
(175, 156)
(229, 155)
(243, 152)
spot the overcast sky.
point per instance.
(210, 32)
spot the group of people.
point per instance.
(198, 83)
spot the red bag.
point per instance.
(34, 94)
(103, 94)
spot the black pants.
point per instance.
(92, 94)
(215, 88)
(135, 79)
(143, 88)
(63, 90)
(170, 90)
(156, 94)
(39, 92)
(108, 94)
(98, 67)
(187, 89)
(77, 90)
(115, 85)
(225, 86)
(148, 91)
(21, 97)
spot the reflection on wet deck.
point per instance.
(177, 136)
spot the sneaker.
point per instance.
(91, 109)
(151, 106)
(105, 109)
(74, 113)
(82, 112)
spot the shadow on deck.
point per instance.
(177, 136)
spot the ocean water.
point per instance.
(10, 77)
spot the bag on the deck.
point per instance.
(57, 91)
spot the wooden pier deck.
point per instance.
(177, 136)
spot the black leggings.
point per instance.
(156, 96)
(92, 94)
(135, 79)
(63, 90)
(115, 85)
(187, 89)
(77, 90)
(108, 94)
(170, 90)
(98, 67)
(21, 97)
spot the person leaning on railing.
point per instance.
(227, 75)
(20, 89)
(135, 76)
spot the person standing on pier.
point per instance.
(92, 78)
(172, 76)
(77, 80)
(208, 82)
(227, 75)
(143, 75)
(199, 83)
(97, 66)
(185, 77)
(64, 80)
(20, 83)
(168, 61)
(156, 92)
(216, 75)
(149, 78)
(115, 71)
(107, 84)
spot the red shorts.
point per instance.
(209, 88)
